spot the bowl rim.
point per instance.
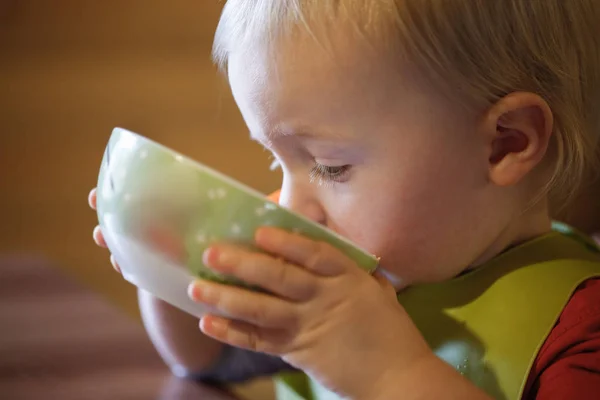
(237, 184)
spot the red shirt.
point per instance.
(568, 364)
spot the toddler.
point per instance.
(440, 135)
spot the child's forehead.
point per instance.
(303, 64)
(297, 94)
(342, 41)
(303, 82)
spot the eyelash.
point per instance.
(322, 174)
(325, 174)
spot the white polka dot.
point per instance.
(179, 158)
(212, 194)
(221, 193)
(127, 197)
(270, 206)
(236, 229)
(260, 212)
(201, 238)
(143, 154)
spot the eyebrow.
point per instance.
(268, 142)
(275, 134)
(272, 136)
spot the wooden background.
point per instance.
(70, 71)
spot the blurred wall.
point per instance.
(70, 71)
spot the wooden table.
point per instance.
(60, 341)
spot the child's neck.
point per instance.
(534, 222)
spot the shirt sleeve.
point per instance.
(568, 365)
(237, 365)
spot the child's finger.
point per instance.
(115, 264)
(99, 237)
(92, 199)
(244, 305)
(315, 256)
(274, 275)
(244, 335)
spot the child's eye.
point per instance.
(324, 173)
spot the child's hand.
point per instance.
(169, 244)
(98, 237)
(325, 316)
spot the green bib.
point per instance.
(490, 323)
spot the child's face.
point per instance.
(373, 154)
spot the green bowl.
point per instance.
(160, 210)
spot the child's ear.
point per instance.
(518, 130)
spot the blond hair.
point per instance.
(479, 50)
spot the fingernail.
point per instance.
(220, 257)
(92, 199)
(210, 255)
(113, 261)
(227, 258)
(214, 326)
(194, 292)
(97, 235)
(262, 235)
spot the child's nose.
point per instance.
(303, 200)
